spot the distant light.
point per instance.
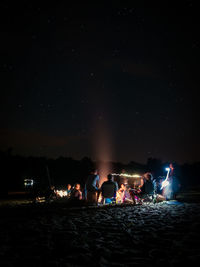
(28, 182)
(167, 169)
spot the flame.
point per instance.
(100, 198)
(61, 193)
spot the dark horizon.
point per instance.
(11, 152)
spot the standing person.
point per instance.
(175, 187)
(175, 184)
(92, 187)
(109, 190)
(171, 190)
(167, 189)
(69, 190)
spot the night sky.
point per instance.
(104, 80)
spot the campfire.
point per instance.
(61, 193)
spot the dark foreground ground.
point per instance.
(164, 234)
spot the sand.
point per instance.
(164, 234)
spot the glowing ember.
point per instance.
(40, 199)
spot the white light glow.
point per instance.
(127, 175)
(164, 184)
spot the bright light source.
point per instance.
(164, 184)
(61, 193)
(28, 182)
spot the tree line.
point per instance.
(63, 170)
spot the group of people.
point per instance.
(106, 193)
(74, 192)
(112, 192)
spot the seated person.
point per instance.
(175, 187)
(50, 193)
(132, 195)
(149, 186)
(108, 190)
(159, 181)
(76, 193)
(120, 196)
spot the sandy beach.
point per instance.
(164, 234)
